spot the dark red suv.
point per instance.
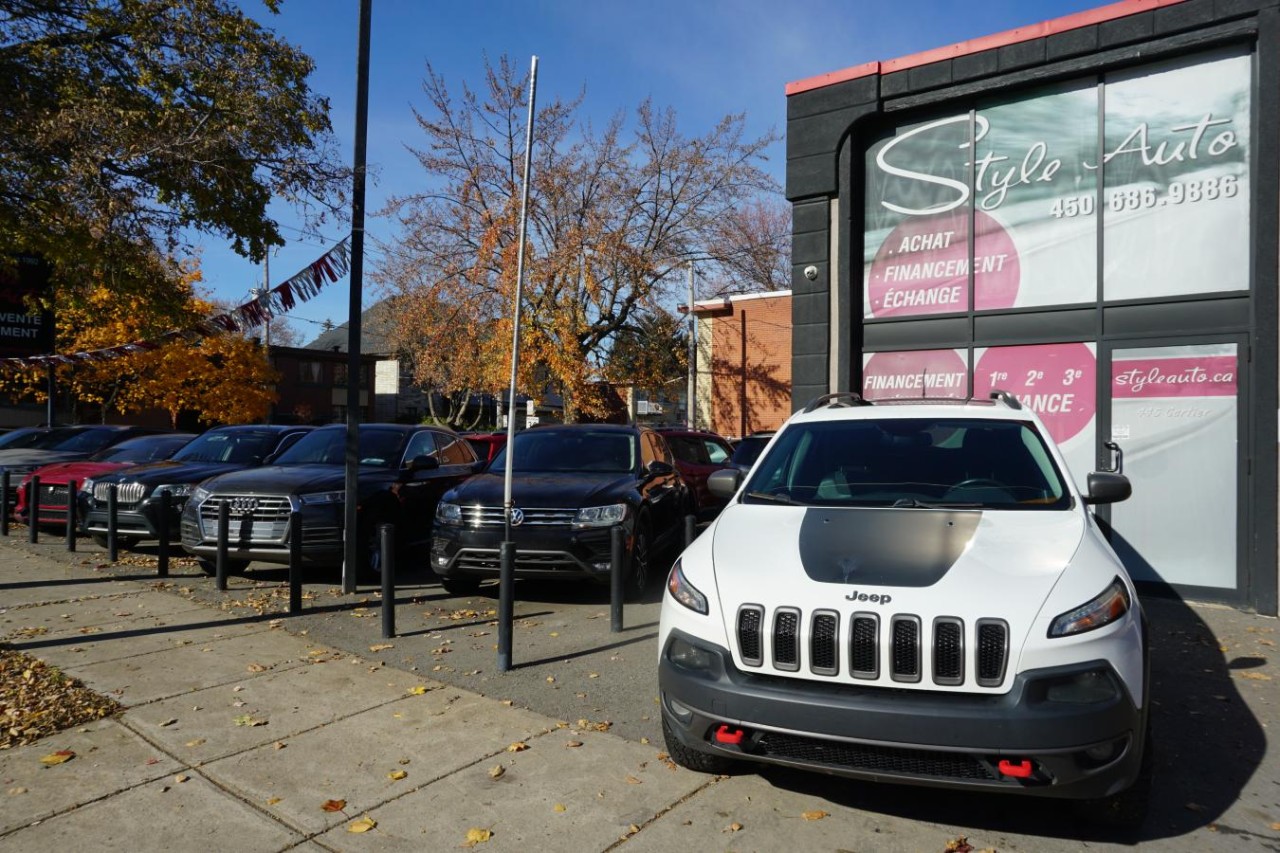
(698, 453)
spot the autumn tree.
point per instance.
(753, 249)
(615, 214)
(650, 353)
(128, 124)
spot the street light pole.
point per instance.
(691, 404)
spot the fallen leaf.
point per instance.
(1255, 676)
(60, 757)
(518, 746)
(196, 742)
(476, 835)
(18, 790)
(180, 778)
(397, 775)
(496, 771)
(733, 827)
(256, 667)
(816, 814)
(593, 675)
(418, 690)
(631, 780)
(551, 679)
(1193, 807)
(364, 824)
(958, 845)
(559, 807)
(279, 744)
(573, 744)
(271, 801)
(168, 722)
(334, 805)
(249, 720)
(381, 647)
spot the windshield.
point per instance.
(910, 462)
(240, 446)
(556, 451)
(380, 448)
(87, 440)
(23, 437)
(748, 450)
(147, 449)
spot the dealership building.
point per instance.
(1084, 213)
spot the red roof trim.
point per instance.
(1057, 25)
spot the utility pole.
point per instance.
(691, 404)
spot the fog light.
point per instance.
(1083, 688)
(602, 567)
(688, 656)
(1104, 752)
(680, 712)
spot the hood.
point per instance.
(925, 562)
(25, 458)
(65, 472)
(287, 479)
(171, 473)
(563, 491)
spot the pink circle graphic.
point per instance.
(1056, 381)
(920, 373)
(922, 267)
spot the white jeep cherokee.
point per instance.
(916, 592)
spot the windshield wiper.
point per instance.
(775, 498)
(916, 503)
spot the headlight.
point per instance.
(447, 513)
(318, 498)
(1107, 607)
(86, 485)
(176, 490)
(684, 592)
(600, 516)
(200, 495)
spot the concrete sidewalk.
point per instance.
(236, 733)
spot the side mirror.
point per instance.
(422, 463)
(658, 468)
(725, 482)
(1107, 487)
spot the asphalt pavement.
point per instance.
(248, 729)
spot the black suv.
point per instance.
(221, 449)
(570, 485)
(403, 472)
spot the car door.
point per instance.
(421, 489)
(663, 492)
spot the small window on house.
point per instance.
(310, 372)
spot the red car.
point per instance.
(698, 453)
(486, 444)
(55, 478)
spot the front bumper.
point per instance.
(545, 553)
(1020, 741)
(267, 541)
(140, 520)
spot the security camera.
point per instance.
(811, 272)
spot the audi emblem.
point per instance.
(517, 516)
(243, 506)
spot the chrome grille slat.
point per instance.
(495, 516)
(126, 493)
(253, 518)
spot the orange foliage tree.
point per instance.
(614, 216)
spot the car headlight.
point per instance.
(200, 495)
(320, 498)
(176, 490)
(448, 513)
(684, 592)
(1105, 608)
(86, 486)
(600, 516)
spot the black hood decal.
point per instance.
(884, 547)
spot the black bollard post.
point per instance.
(224, 526)
(73, 489)
(616, 571)
(113, 518)
(387, 563)
(690, 529)
(4, 502)
(295, 563)
(162, 530)
(506, 602)
(33, 508)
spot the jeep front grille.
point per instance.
(945, 656)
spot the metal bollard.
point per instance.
(73, 489)
(224, 526)
(506, 602)
(616, 577)
(690, 529)
(162, 530)
(387, 563)
(33, 509)
(295, 563)
(113, 517)
(4, 502)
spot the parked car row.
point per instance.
(442, 491)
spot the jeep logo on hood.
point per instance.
(874, 598)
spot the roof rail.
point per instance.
(835, 399)
(1006, 398)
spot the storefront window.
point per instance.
(919, 373)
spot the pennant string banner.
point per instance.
(281, 299)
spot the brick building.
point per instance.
(744, 362)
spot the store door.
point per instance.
(1174, 411)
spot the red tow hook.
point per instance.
(1016, 769)
(726, 735)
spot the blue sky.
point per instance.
(704, 58)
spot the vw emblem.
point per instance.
(243, 506)
(517, 516)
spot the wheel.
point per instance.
(125, 542)
(691, 758)
(460, 586)
(210, 567)
(640, 570)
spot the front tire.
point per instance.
(640, 566)
(460, 586)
